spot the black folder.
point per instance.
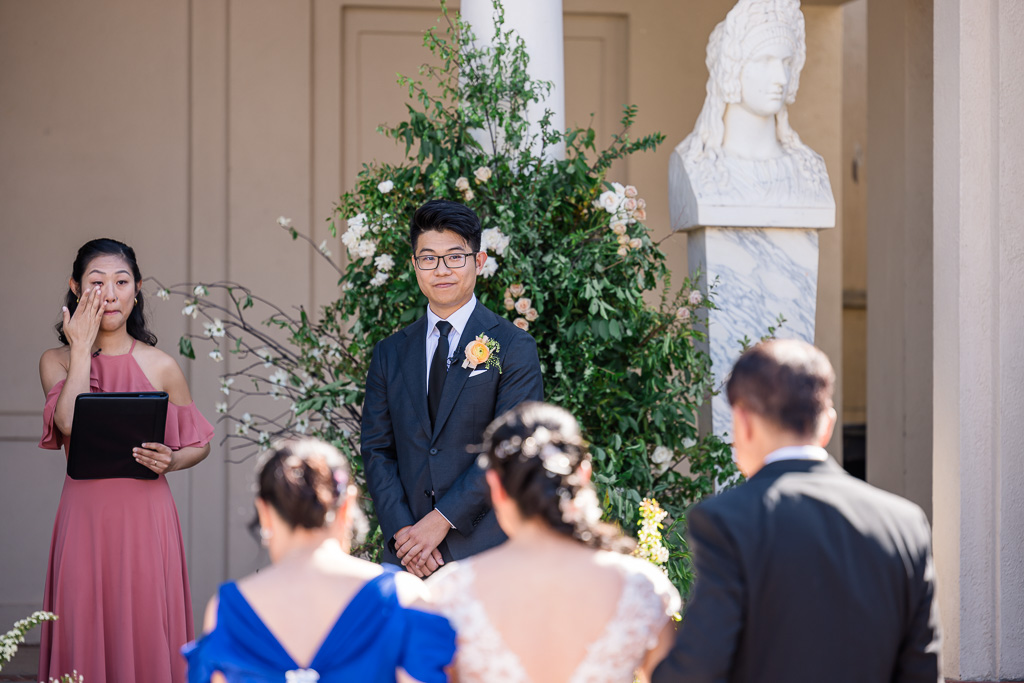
(107, 426)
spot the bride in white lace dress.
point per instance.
(559, 601)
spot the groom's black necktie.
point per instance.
(438, 370)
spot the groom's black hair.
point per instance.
(786, 381)
(443, 214)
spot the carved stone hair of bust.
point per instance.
(743, 151)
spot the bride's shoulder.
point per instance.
(646, 578)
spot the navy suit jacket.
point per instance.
(411, 467)
(806, 574)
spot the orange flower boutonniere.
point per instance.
(482, 351)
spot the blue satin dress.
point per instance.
(372, 637)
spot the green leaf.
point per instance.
(185, 348)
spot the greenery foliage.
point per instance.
(569, 258)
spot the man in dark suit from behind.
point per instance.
(804, 573)
(424, 408)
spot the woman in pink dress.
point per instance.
(117, 578)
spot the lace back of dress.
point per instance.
(641, 613)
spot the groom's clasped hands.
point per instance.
(416, 545)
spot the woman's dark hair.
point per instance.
(136, 324)
(304, 481)
(536, 450)
(443, 214)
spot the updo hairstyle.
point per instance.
(304, 480)
(136, 323)
(536, 450)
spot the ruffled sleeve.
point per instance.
(52, 437)
(429, 646)
(186, 427)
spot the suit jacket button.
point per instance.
(433, 451)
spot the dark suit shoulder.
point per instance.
(418, 326)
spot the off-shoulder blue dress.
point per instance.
(372, 637)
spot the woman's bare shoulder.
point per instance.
(163, 372)
(53, 366)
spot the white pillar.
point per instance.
(978, 365)
(539, 24)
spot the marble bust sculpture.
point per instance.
(743, 164)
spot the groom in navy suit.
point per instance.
(423, 409)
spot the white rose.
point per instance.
(468, 195)
(490, 266)
(483, 174)
(532, 315)
(695, 298)
(462, 184)
(385, 186)
(510, 304)
(619, 189)
(379, 279)
(683, 314)
(357, 220)
(609, 201)
(522, 324)
(366, 249)
(623, 251)
(522, 306)
(516, 289)
(619, 227)
(384, 262)
(630, 191)
(661, 455)
(635, 243)
(492, 239)
(629, 204)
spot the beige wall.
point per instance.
(978, 326)
(899, 243)
(186, 128)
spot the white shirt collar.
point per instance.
(459, 319)
(797, 453)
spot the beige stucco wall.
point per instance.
(899, 240)
(978, 327)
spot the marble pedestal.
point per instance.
(755, 274)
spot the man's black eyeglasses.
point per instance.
(450, 261)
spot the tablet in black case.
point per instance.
(105, 429)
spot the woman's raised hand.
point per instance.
(81, 328)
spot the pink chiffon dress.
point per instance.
(117, 578)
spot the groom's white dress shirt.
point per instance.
(459, 319)
(797, 453)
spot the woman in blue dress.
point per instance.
(317, 614)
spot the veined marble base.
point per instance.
(755, 275)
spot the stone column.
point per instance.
(978, 329)
(539, 24)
